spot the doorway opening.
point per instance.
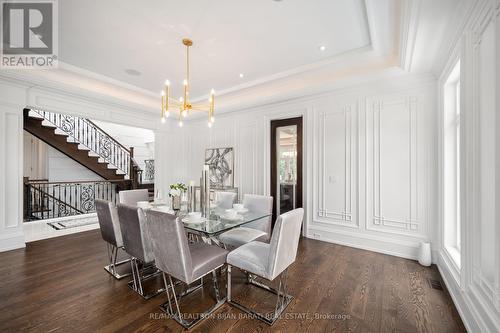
(286, 165)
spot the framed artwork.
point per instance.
(221, 166)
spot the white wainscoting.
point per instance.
(388, 208)
(11, 167)
(373, 171)
(392, 173)
(475, 286)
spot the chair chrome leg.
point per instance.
(172, 306)
(282, 301)
(228, 283)
(137, 283)
(113, 264)
(216, 286)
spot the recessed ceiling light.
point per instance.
(133, 72)
(242, 75)
(322, 48)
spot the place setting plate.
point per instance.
(193, 218)
(240, 209)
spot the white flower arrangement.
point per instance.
(177, 189)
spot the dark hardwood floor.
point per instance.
(59, 285)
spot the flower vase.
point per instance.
(176, 202)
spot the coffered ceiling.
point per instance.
(139, 42)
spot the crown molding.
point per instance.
(462, 18)
(410, 16)
(291, 72)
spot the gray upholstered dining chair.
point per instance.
(107, 216)
(131, 197)
(269, 261)
(225, 200)
(258, 230)
(138, 245)
(183, 261)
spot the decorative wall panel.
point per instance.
(336, 166)
(391, 166)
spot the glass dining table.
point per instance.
(210, 228)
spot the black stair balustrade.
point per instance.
(47, 200)
(149, 171)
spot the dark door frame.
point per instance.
(274, 168)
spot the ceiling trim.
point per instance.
(410, 16)
(93, 75)
(294, 71)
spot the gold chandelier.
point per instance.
(184, 105)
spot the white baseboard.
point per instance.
(382, 244)
(12, 241)
(472, 313)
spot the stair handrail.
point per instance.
(103, 131)
(119, 157)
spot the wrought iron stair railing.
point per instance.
(149, 171)
(47, 200)
(84, 132)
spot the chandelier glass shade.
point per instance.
(183, 105)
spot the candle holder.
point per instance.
(205, 192)
(191, 197)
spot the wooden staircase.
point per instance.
(84, 142)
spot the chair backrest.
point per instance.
(131, 197)
(259, 204)
(108, 222)
(285, 241)
(225, 200)
(170, 245)
(134, 232)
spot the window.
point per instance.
(451, 171)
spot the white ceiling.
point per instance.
(275, 44)
(259, 38)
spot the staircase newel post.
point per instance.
(26, 198)
(131, 168)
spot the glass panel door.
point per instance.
(286, 148)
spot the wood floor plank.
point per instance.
(59, 285)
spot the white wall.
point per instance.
(377, 140)
(475, 285)
(62, 168)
